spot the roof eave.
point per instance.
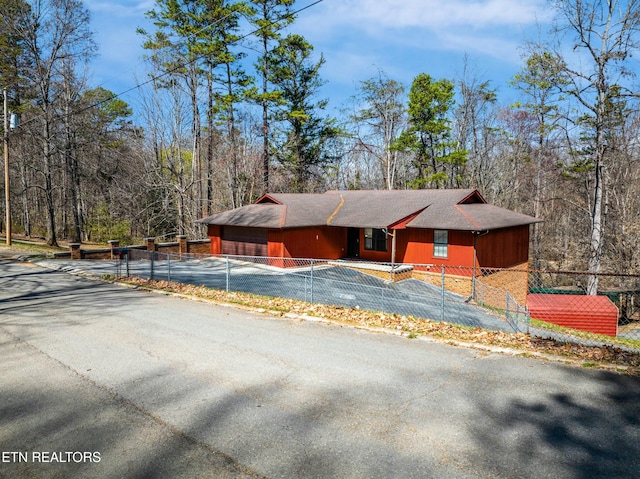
(471, 195)
(404, 222)
(267, 198)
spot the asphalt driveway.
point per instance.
(326, 284)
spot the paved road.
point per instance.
(163, 387)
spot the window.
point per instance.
(440, 243)
(375, 239)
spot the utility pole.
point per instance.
(6, 167)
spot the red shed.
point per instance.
(597, 314)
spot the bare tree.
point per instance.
(379, 119)
(474, 127)
(540, 82)
(55, 36)
(604, 34)
(623, 238)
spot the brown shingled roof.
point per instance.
(255, 216)
(461, 209)
(382, 208)
(304, 209)
(469, 217)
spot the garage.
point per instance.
(237, 240)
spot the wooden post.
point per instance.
(182, 244)
(75, 251)
(113, 244)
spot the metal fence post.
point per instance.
(311, 292)
(168, 267)
(153, 255)
(228, 272)
(473, 285)
(442, 303)
(126, 256)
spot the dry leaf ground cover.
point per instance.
(602, 357)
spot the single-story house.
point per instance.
(451, 227)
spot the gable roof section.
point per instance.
(303, 209)
(382, 208)
(464, 210)
(252, 216)
(491, 217)
(469, 217)
(280, 210)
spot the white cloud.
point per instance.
(118, 8)
(357, 37)
(407, 37)
(372, 14)
(492, 27)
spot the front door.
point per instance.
(353, 242)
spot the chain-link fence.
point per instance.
(560, 298)
(547, 304)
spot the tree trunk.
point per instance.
(52, 240)
(597, 228)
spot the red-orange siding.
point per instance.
(416, 246)
(497, 249)
(216, 240)
(596, 314)
(319, 242)
(503, 248)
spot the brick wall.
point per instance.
(459, 284)
(492, 284)
(199, 246)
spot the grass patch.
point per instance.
(600, 338)
(25, 247)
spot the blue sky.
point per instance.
(359, 37)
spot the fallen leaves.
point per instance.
(595, 356)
